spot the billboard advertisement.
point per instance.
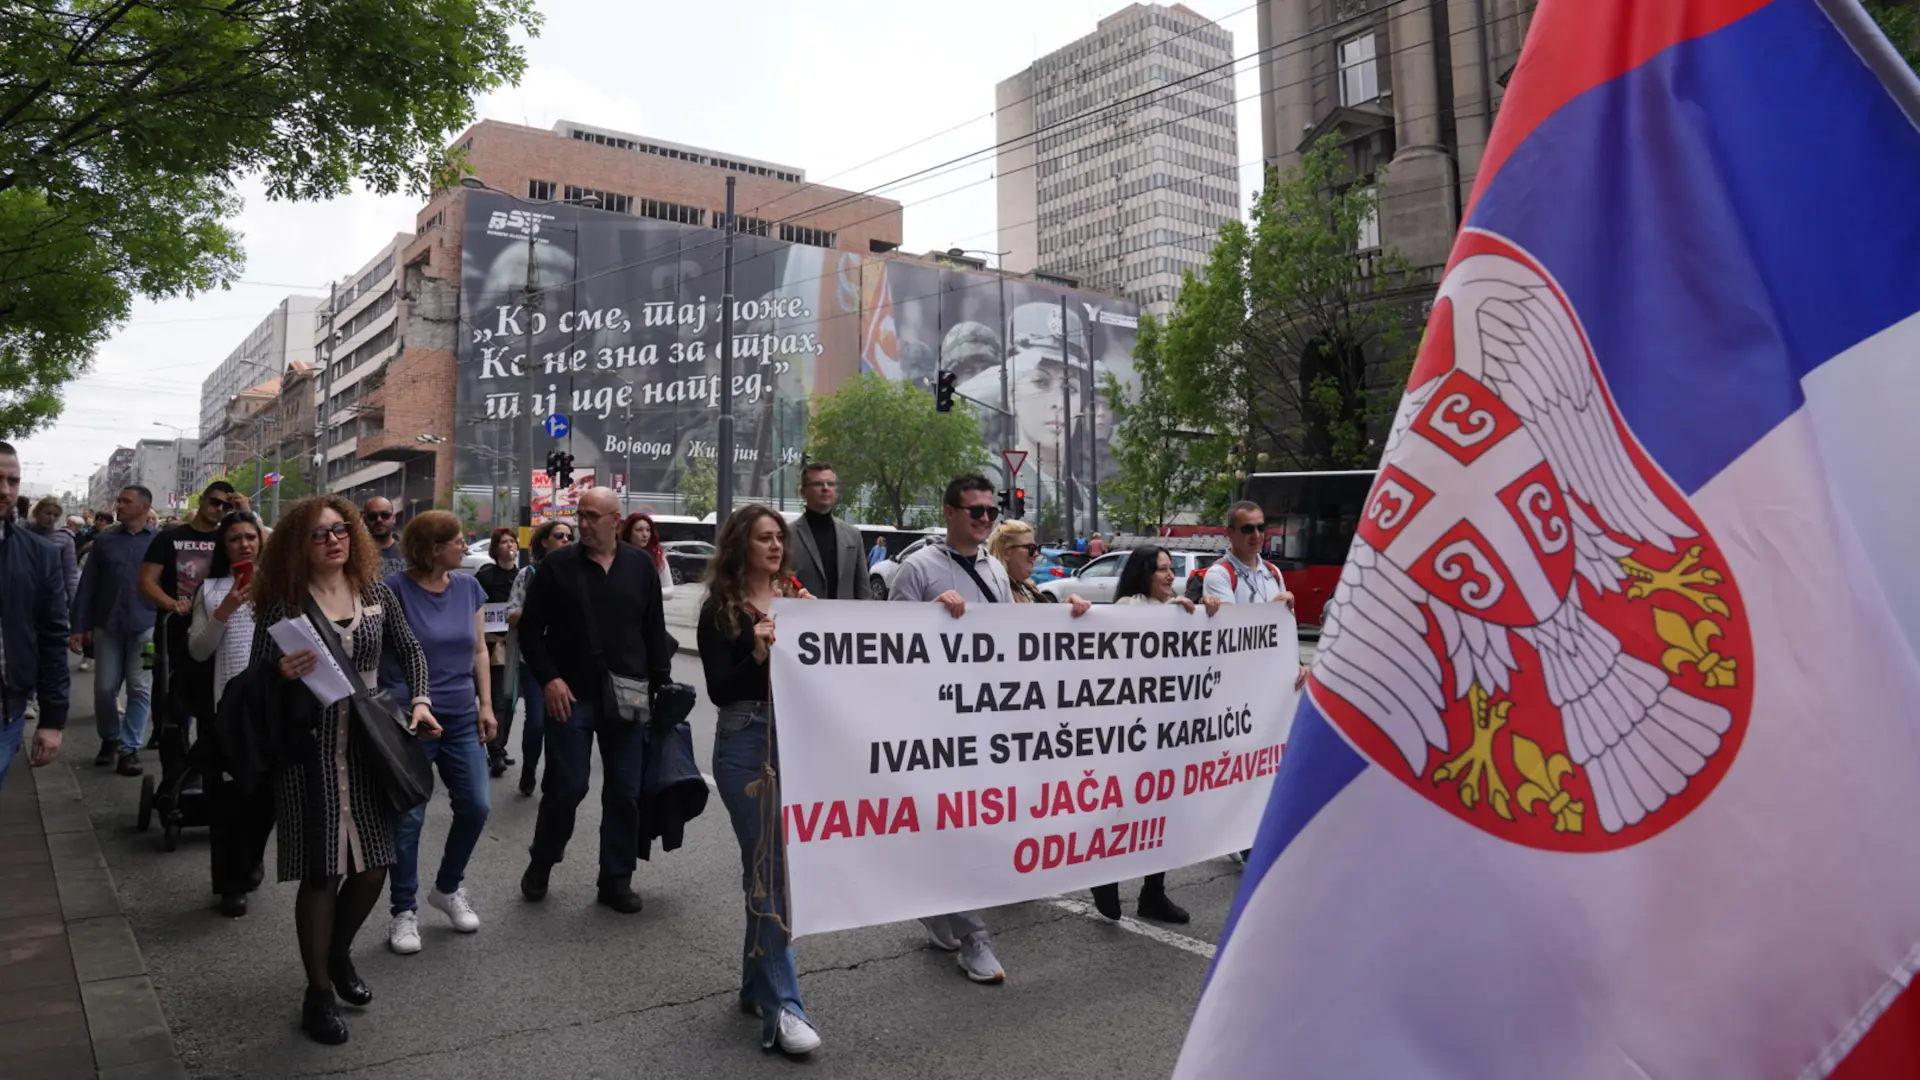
(625, 342)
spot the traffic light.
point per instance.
(1019, 502)
(1006, 502)
(565, 462)
(943, 392)
(553, 463)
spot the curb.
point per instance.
(128, 1030)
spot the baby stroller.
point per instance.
(179, 795)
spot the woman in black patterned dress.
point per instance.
(336, 837)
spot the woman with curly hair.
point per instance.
(748, 569)
(336, 834)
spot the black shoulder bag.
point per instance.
(623, 698)
(401, 769)
(967, 565)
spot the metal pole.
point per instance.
(629, 474)
(523, 433)
(1066, 422)
(723, 473)
(1012, 428)
(326, 397)
(1092, 398)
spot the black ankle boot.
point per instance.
(1106, 900)
(320, 1020)
(346, 981)
(1156, 905)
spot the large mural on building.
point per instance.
(626, 334)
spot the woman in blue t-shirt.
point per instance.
(443, 608)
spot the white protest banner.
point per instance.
(494, 618)
(930, 764)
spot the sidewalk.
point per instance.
(75, 1000)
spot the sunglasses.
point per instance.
(339, 530)
(560, 538)
(222, 505)
(991, 513)
(1251, 527)
(1031, 549)
(379, 515)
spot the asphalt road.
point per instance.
(569, 989)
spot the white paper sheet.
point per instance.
(326, 680)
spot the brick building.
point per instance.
(395, 437)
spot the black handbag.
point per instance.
(402, 771)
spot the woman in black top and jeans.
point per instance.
(497, 579)
(747, 571)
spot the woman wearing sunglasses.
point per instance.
(546, 537)
(336, 835)
(1014, 545)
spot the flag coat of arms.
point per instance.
(1610, 761)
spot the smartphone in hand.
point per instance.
(243, 573)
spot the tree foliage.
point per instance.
(886, 442)
(124, 125)
(699, 487)
(1900, 21)
(295, 482)
(1160, 471)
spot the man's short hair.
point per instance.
(7, 449)
(960, 485)
(808, 470)
(220, 486)
(140, 490)
(1241, 507)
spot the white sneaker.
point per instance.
(86, 665)
(403, 934)
(977, 960)
(796, 1036)
(457, 909)
(940, 935)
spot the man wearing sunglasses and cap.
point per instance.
(955, 572)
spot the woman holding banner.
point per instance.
(736, 632)
(1147, 578)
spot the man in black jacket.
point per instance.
(593, 608)
(33, 629)
(827, 555)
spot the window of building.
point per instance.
(1359, 73)
(605, 200)
(748, 225)
(1369, 237)
(666, 211)
(540, 189)
(800, 234)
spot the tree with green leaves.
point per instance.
(294, 483)
(886, 441)
(699, 487)
(1291, 347)
(1900, 21)
(124, 125)
(1161, 469)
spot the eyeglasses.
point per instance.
(991, 513)
(588, 517)
(339, 530)
(1248, 528)
(1031, 549)
(379, 515)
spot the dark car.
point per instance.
(687, 559)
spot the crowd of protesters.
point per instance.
(179, 622)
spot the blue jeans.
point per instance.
(117, 660)
(570, 768)
(11, 732)
(534, 734)
(461, 759)
(742, 752)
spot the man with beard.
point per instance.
(377, 512)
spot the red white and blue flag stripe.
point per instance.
(1610, 763)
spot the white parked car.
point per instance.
(476, 556)
(881, 575)
(1098, 580)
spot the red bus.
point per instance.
(1311, 518)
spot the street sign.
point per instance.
(556, 425)
(1015, 459)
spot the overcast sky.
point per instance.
(826, 87)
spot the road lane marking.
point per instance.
(1133, 925)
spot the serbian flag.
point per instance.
(1610, 761)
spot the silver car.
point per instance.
(1098, 580)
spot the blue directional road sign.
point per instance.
(556, 425)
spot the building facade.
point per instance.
(284, 336)
(392, 423)
(1410, 88)
(166, 467)
(107, 481)
(354, 349)
(1119, 154)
